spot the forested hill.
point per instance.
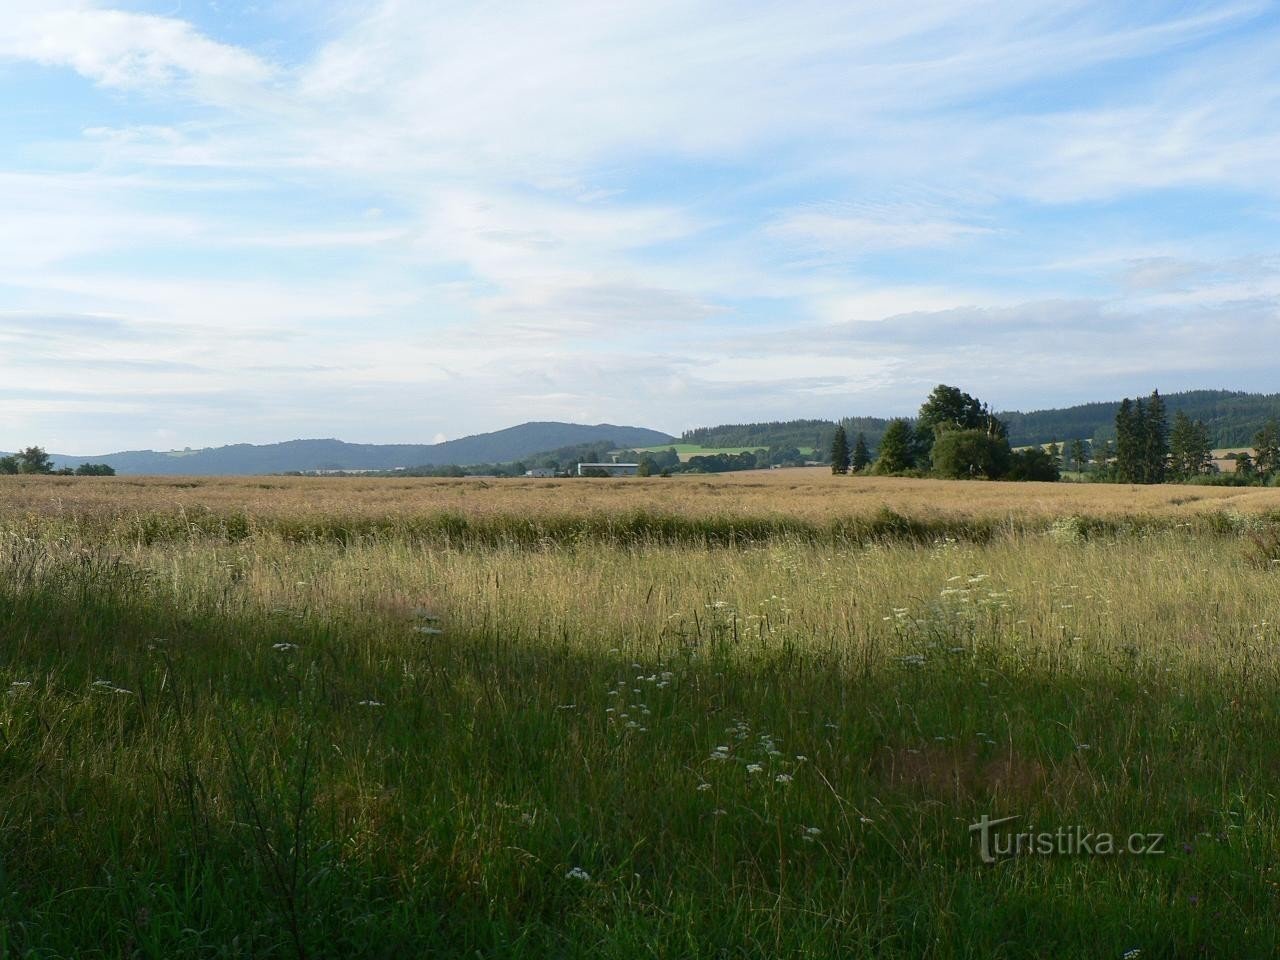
(306, 455)
(785, 433)
(1233, 417)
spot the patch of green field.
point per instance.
(687, 450)
(241, 742)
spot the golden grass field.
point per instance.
(695, 717)
(804, 493)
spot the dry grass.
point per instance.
(809, 494)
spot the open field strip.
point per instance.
(298, 725)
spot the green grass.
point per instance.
(246, 743)
(687, 450)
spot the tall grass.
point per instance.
(652, 737)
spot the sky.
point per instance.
(411, 220)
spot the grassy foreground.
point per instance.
(261, 731)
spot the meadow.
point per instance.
(750, 715)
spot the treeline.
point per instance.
(955, 436)
(775, 433)
(1148, 450)
(34, 460)
(1231, 417)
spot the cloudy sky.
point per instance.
(406, 220)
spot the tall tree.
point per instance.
(840, 452)
(861, 456)
(1190, 449)
(34, 460)
(1079, 456)
(896, 448)
(1128, 440)
(1266, 448)
(950, 407)
(1156, 440)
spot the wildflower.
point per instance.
(284, 647)
(754, 768)
(1133, 954)
(782, 778)
(370, 703)
(430, 631)
(704, 787)
(20, 684)
(577, 873)
(801, 758)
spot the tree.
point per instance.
(1266, 448)
(969, 454)
(840, 452)
(1102, 454)
(1126, 442)
(34, 460)
(1078, 455)
(1190, 448)
(1033, 463)
(896, 453)
(8, 465)
(1054, 452)
(1245, 467)
(951, 408)
(861, 456)
(1155, 437)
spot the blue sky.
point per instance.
(405, 221)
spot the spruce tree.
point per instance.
(896, 454)
(1266, 448)
(1127, 427)
(1186, 455)
(1079, 457)
(840, 452)
(1156, 440)
(861, 456)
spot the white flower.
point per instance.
(370, 703)
(783, 778)
(703, 787)
(754, 768)
(284, 647)
(577, 873)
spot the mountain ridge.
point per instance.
(306, 455)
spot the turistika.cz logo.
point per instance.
(995, 844)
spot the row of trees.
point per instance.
(1148, 450)
(34, 460)
(955, 435)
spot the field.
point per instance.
(751, 715)
(687, 450)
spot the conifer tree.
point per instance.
(861, 456)
(840, 452)
(896, 448)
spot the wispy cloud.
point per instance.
(412, 218)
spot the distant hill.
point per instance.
(245, 459)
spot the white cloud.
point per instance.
(128, 50)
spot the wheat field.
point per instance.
(742, 716)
